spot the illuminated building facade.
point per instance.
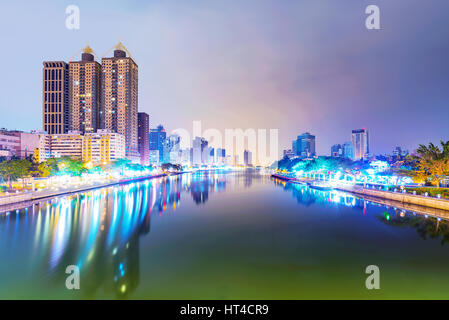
(55, 97)
(304, 145)
(103, 147)
(157, 142)
(144, 138)
(360, 141)
(84, 93)
(119, 97)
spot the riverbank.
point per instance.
(404, 198)
(400, 197)
(26, 199)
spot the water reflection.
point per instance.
(426, 221)
(102, 233)
(99, 231)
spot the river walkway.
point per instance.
(404, 198)
(21, 200)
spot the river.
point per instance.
(220, 235)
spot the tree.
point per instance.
(6, 173)
(433, 162)
(13, 169)
(23, 169)
(120, 164)
(71, 166)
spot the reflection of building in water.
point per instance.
(248, 180)
(307, 196)
(168, 193)
(426, 226)
(204, 183)
(99, 231)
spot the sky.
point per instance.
(295, 66)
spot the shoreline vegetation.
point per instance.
(423, 175)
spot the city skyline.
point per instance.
(392, 81)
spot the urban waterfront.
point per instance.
(220, 235)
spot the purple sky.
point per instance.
(293, 65)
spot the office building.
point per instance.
(157, 141)
(221, 156)
(304, 145)
(154, 157)
(199, 147)
(55, 97)
(360, 141)
(347, 150)
(336, 151)
(247, 158)
(144, 138)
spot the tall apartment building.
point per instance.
(144, 138)
(119, 98)
(55, 97)
(84, 93)
(360, 141)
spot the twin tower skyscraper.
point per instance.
(86, 96)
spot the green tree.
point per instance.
(433, 162)
(121, 164)
(13, 169)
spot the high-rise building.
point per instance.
(84, 93)
(119, 98)
(304, 145)
(347, 150)
(172, 149)
(336, 151)
(247, 158)
(360, 141)
(199, 147)
(157, 141)
(210, 155)
(154, 157)
(221, 156)
(55, 97)
(144, 138)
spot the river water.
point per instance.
(220, 235)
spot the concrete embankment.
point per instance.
(9, 202)
(399, 197)
(404, 198)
